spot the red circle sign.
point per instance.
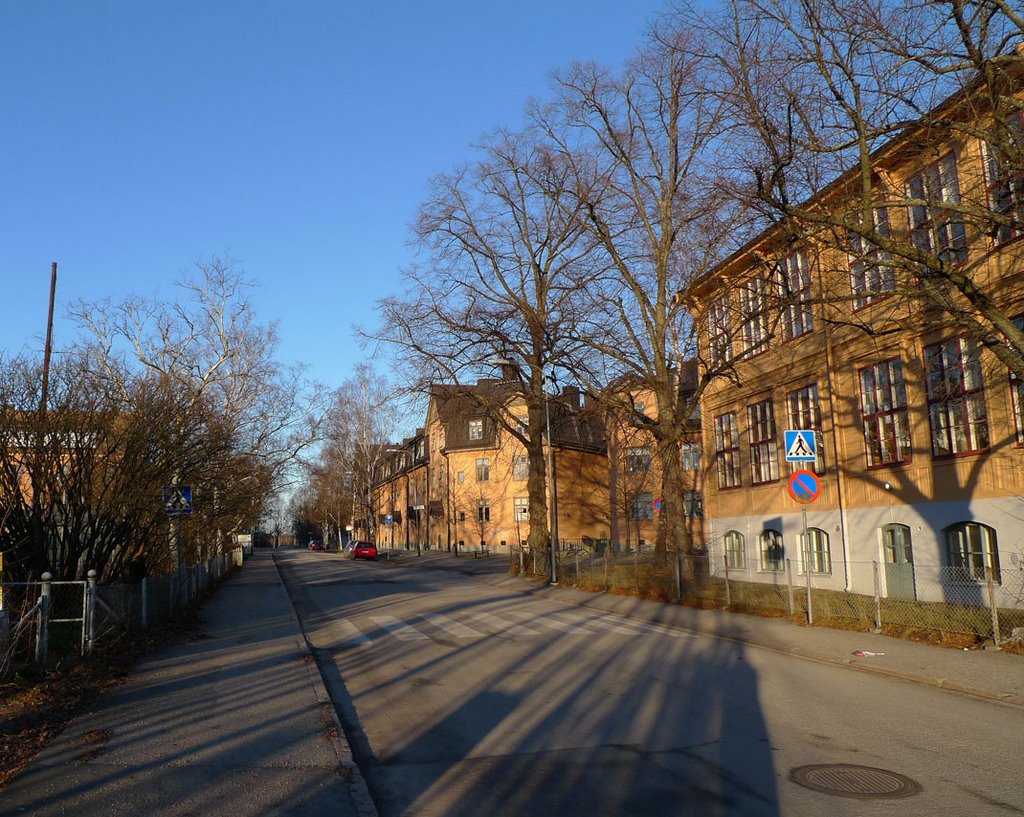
(804, 486)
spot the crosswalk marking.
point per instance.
(552, 622)
(502, 625)
(398, 629)
(451, 626)
(351, 636)
(512, 622)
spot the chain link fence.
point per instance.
(929, 601)
(47, 619)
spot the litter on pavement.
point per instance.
(866, 654)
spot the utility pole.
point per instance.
(48, 348)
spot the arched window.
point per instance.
(972, 550)
(773, 554)
(818, 555)
(735, 551)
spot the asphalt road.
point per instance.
(462, 698)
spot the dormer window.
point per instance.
(476, 429)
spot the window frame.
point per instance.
(934, 228)
(1017, 394)
(969, 398)
(766, 540)
(690, 451)
(754, 327)
(1011, 184)
(483, 510)
(520, 468)
(476, 429)
(727, 458)
(483, 469)
(794, 279)
(872, 273)
(883, 425)
(521, 509)
(637, 459)
(641, 506)
(763, 439)
(969, 563)
(735, 558)
(818, 553)
(719, 332)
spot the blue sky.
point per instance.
(296, 138)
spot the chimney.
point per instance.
(572, 397)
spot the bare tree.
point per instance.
(641, 146)
(506, 259)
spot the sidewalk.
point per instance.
(982, 673)
(236, 722)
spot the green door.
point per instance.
(899, 562)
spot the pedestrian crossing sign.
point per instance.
(177, 500)
(801, 445)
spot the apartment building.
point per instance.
(918, 427)
(635, 469)
(471, 474)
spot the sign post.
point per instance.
(805, 487)
(178, 503)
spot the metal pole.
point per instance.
(807, 566)
(789, 585)
(992, 606)
(878, 596)
(42, 636)
(90, 616)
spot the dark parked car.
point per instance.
(363, 550)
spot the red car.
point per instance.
(364, 550)
(316, 546)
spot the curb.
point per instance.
(358, 790)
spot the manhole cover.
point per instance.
(863, 782)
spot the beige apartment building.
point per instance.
(918, 427)
(462, 481)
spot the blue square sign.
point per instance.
(801, 445)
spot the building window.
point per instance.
(735, 551)
(754, 314)
(461, 477)
(934, 228)
(1005, 180)
(693, 505)
(719, 332)
(872, 276)
(956, 397)
(818, 555)
(691, 456)
(523, 426)
(972, 551)
(521, 468)
(640, 408)
(638, 460)
(483, 510)
(773, 554)
(521, 509)
(476, 429)
(727, 451)
(883, 397)
(483, 470)
(804, 412)
(764, 447)
(641, 506)
(1017, 393)
(795, 286)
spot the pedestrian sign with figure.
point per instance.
(177, 500)
(801, 445)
